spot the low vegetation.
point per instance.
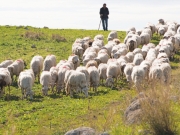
(57, 113)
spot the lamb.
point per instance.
(54, 75)
(36, 65)
(113, 71)
(5, 79)
(102, 68)
(137, 76)
(16, 67)
(75, 60)
(138, 58)
(45, 81)
(76, 81)
(49, 62)
(94, 77)
(25, 82)
(6, 63)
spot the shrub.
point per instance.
(34, 35)
(58, 38)
(157, 113)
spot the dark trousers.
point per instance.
(105, 23)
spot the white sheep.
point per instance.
(36, 65)
(5, 79)
(75, 60)
(102, 58)
(77, 50)
(84, 70)
(16, 67)
(102, 68)
(61, 76)
(156, 76)
(145, 38)
(6, 63)
(137, 76)
(113, 71)
(166, 69)
(138, 58)
(94, 77)
(49, 62)
(112, 35)
(130, 56)
(45, 81)
(54, 75)
(127, 71)
(99, 36)
(77, 82)
(26, 82)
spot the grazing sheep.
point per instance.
(102, 68)
(138, 58)
(61, 76)
(113, 71)
(99, 37)
(49, 62)
(25, 82)
(84, 70)
(45, 81)
(130, 57)
(137, 76)
(145, 38)
(156, 76)
(112, 35)
(5, 79)
(36, 65)
(75, 60)
(77, 81)
(16, 67)
(6, 63)
(92, 63)
(54, 75)
(166, 69)
(94, 77)
(102, 58)
(77, 50)
(127, 71)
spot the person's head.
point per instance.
(104, 5)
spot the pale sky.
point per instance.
(84, 14)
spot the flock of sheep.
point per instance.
(110, 62)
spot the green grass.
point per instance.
(56, 114)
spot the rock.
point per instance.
(133, 111)
(81, 131)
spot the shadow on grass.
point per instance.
(8, 97)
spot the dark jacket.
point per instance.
(105, 12)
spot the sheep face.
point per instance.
(45, 90)
(131, 45)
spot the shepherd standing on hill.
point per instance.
(104, 12)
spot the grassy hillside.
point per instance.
(56, 114)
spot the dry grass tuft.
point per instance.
(157, 113)
(33, 35)
(58, 38)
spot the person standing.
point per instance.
(104, 12)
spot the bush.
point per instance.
(58, 38)
(157, 113)
(34, 35)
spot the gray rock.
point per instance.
(81, 131)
